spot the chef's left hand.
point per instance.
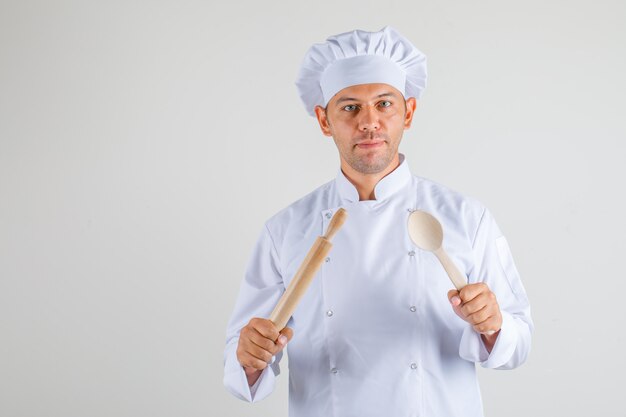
(477, 305)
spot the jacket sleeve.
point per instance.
(494, 265)
(260, 290)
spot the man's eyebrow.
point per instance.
(342, 99)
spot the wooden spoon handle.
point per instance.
(458, 279)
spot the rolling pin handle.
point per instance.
(335, 223)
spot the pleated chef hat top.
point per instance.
(360, 57)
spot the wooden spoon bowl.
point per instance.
(427, 234)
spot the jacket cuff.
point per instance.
(236, 382)
(473, 349)
(505, 344)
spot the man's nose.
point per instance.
(368, 120)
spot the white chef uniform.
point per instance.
(375, 334)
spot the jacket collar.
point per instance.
(386, 187)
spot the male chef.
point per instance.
(379, 332)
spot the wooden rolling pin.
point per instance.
(308, 268)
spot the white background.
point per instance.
(144, 143)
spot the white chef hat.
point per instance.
(360, 57)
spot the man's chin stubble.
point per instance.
(371, 168)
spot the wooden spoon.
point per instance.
(427, 234)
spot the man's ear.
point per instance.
(322, 119)
(411, 104)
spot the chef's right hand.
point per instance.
(259, 341)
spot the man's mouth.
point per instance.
(370, 144)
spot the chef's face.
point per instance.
(366, 122)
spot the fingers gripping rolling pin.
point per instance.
(309, 267)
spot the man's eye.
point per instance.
(350, 107)
(385, 103)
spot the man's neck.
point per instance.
(365, 184)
